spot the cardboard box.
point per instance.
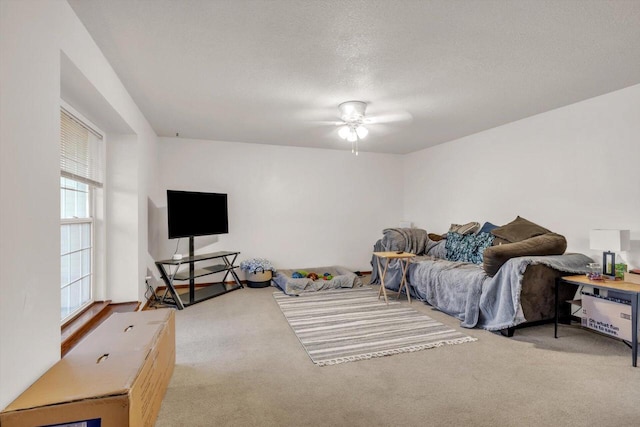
(117, 376)
(608, 317)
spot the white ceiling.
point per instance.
(269, 71)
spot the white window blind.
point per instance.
(80, 151)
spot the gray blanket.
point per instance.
(465, 291)
(342, 278)
(413, 240)
(452, 287)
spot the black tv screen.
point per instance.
(196, 214)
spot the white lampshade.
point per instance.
(362, 132)
(351, 134)
(610, 240)
(344, 132)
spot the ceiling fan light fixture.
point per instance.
(352, 111)
(344, 132)
(351, 133)
(352, 115)
(362, 132)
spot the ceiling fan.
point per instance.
(353, 122)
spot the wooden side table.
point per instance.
(404, 258)
(627, 288)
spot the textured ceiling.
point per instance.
(272, 71)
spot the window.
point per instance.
(81, 178)
(75, 246)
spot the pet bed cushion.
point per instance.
(341, 278)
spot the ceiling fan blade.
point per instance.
(381, 130)
(401, 116)
(328, 122)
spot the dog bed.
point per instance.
(340, 278)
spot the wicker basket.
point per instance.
(259, 279)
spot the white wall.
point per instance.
(122, 218)
(570, 170)
(297, 207)
(34, 36)
(29, 193)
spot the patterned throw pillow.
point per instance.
(467, 247)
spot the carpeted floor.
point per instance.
(239, 363)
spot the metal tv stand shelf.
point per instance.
(194, 296)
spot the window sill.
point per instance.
(74, 329)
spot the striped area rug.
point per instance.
(345, 325)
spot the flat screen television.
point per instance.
(193, 213)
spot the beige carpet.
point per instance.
(239, 363)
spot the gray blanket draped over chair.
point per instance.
(413, 240)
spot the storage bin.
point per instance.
(608, 317)
(259, 278)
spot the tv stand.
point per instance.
(194, 296)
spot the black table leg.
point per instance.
(634, 330)
(555, 326)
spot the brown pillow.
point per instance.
(435, 237)
(498, 241)
(518, 230)
(547, 244)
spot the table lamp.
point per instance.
(610, 241)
